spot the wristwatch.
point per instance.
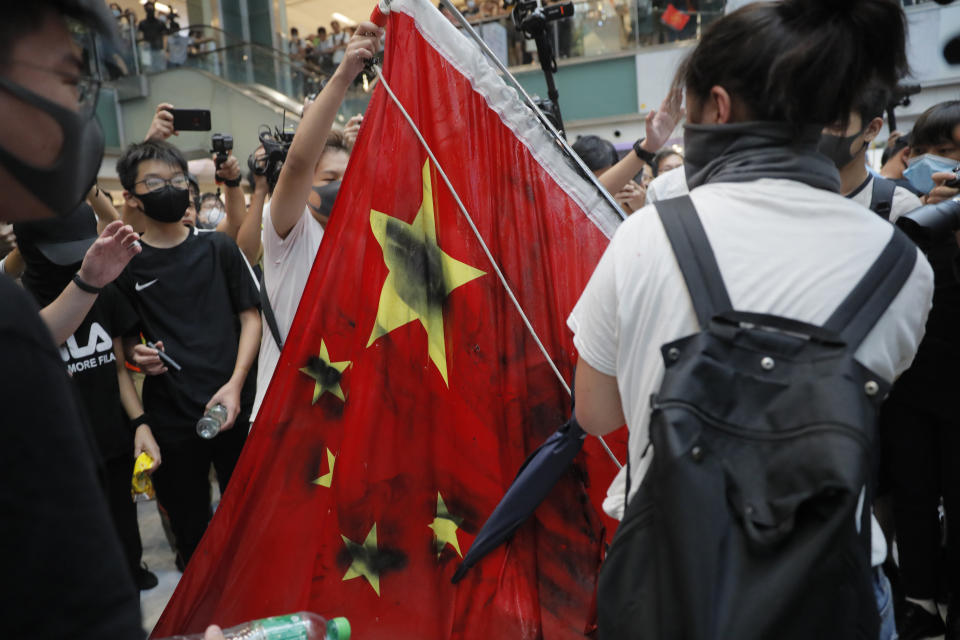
(643, 154)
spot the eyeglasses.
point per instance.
(87, 87)
(155, 183)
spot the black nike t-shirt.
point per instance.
(189, 297)
(64, 575)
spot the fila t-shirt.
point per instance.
(90, 360)
(189, 297)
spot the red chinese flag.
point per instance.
(674, 18)
(409, 391)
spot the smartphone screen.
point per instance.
(191, 119)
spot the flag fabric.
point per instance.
(674, 18)
(409, 392)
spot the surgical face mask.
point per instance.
(64, 184)
(920, 170)
(837, 148)
(167, 204)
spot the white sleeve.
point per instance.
(278, 249)
(903, 202)
(595, 319)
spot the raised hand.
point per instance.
(661, 122)
(162, 126)
(109, 254)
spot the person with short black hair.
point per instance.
(197, 300)
(666, 160)
(598, 154)
(847, 144)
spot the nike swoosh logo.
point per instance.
(141, 287)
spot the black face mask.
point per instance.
(165, 205)
(837, 148)
(65, 184)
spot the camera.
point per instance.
(931, 224)
(276, 144)
(222, 145)
(531, 17)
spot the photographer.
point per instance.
(292, 228)
(919, 414)
(235, 206)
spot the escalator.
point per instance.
(245, 85)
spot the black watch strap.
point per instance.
(643, 154)
(232, 183)
(83, 286)
(137, 422)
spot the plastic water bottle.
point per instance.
(209, 425)
(303, 625)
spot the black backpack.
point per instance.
(753, 521)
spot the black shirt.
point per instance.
(90, 361)
(153, 31)
(64, 575)
(189, 297)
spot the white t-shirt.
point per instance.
(783, 248)
(670, 184)
(903, 200)
(286, 266)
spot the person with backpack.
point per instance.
(757, 391)
(847, 147)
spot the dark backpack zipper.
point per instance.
(738, 432)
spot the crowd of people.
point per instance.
(191, 295)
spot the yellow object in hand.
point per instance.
(141, 479)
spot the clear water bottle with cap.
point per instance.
(209, 425)
(303, 625)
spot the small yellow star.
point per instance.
(327, 479)
(361, 554)
(326, 374)
(421, 275)
(445, 528)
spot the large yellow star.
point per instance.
(421, 275)
(445, 528)
(326, 374)
(361, 554)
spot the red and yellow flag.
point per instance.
(409, 391)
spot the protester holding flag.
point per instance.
(292, 230)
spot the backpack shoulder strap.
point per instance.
(862, 308)
(881, 200)
(695, 257)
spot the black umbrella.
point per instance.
(536, 477)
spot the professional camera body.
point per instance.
(276, 144)
(930, 224)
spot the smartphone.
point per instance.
(191, 119)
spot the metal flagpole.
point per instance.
(559, 139)
(486, 250)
